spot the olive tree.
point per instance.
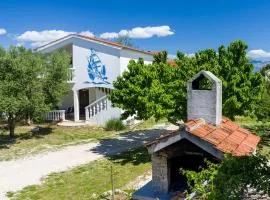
(30, 83)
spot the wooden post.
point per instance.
(112, 181)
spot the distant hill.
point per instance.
(258, 64)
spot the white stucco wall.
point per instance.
(127, 55)
(57, 46)
(109, 56)
(115, 59)
(67, 101)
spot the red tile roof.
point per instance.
(172, 63)
(117, 44)
(104, 42)
(228, 137)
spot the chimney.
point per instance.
(205, 98)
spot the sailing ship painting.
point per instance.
(96, 69)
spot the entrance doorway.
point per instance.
(83, 102)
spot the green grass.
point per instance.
(52, 137)
(114, 124)
(82, 182)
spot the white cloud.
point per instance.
(3, 31)
(108, 35)
(171, 56)
(19, 44)
(39, 38)
(190, 55)
(258, 53)
(87, 33)
(140, 32)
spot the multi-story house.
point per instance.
(94, 66)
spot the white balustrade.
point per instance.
(96, 107)
(55, 115)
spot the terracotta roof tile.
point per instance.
(216, 136)
(226, 146)
(172, 63)
(200, 132)
(230, 126)
(209, 127)
(228, 137)
(190, 123)
(104, 42)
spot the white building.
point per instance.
(95, 65)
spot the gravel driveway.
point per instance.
(17, 174)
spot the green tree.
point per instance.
(24, 75)
(146, 90)
(159, 90)
(124, 40)
(265, 70)
(242, 87)
(55, 81)
(231, 179)
(263, 108)
(161, 57)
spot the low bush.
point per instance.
(114, 124)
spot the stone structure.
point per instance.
(206, 135)
(160, 176)
(206, 104)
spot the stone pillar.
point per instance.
(160, 173)
(76, 105)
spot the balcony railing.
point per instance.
(96, 107)
(71, 75)
(55, 115)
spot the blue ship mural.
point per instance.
(96, 70)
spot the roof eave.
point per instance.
(95, 40)
(72, 36)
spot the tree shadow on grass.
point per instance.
(6, 141)
(135, 157)
(129, 147)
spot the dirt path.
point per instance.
(17, 174)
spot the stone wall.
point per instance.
(160, 173)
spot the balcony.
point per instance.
(71, 75)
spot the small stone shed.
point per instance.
(206, 135)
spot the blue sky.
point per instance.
(187, 26)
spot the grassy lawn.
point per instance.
(95, 178)
(82, 182)
(52, 137)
